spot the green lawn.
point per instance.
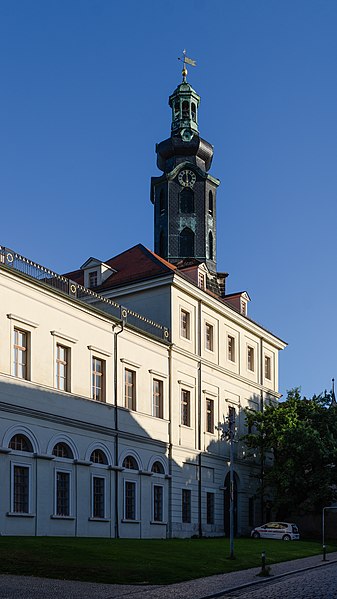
(141, 561)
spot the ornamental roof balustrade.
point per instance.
(61, 284)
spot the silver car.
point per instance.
(276, 530)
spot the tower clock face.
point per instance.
(187, 178)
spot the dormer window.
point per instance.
(93, 279)
(243, 307)
(201, 280)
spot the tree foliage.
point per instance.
(301, 434)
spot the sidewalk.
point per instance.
(23, 587)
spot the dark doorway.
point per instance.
(227, 505)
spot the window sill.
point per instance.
(20, 515)
(157, 522)
(130, 521)
(56, 517)
(99, 519)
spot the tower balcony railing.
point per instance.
(61, 284)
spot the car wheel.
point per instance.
(255, 535)
(286, 538)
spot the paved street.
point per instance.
(313, 584)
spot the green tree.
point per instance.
(301, 435)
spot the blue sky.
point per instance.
(84, 86)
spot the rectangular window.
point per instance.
(209, 415)
(20, 361)
(185, 407)
(98, 379)
(201, 280)
(231, 419)
(98, 497)
(157, 398)
(130, 389)
(129, 500)
(210, 508)
(250, 358)
(158, 503)
(93, 280)
(231, 348)
(209, 336)
(185, 324)
(267, 367)
(186, 506)
(62, 493)
(62, 367)
(21, 489)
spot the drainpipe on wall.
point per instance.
(199, 423)
(170, 457)
(262, 447)
(116, 428)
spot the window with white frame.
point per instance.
(62, 493)
(209, 415)
(157, 398)
(129, 500)
(98, 379)
(130, 388)
(158, 503)
(20, 489)
(185, 323)
(210, 508)
(231, 348)
(98, 497)
(185, 407)
(186, 500)
(250, 358)
(21, 354)
(209, 336)
(62, 367)
(267, 367)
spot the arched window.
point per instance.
(210, 245)
(158, 468)
(186, 201)
(210, 202)
(98, 457)
(130, 463)
(20, 443)
(62, 450)
(186, 110)
(176, 109)
(186, 239)
(162, 244)
(162, 201)
(194, 112)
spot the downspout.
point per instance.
(199, 447)
(262, 443)
(116, 429)
(170, 460)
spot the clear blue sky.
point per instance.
(84, 86)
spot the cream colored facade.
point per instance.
(160, 420)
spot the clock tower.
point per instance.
(184, 196)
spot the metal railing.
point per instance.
(68, 287)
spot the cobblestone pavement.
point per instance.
(317, 581)
(311, 584)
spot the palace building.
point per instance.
(117, 379)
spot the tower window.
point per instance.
(210, 202)
(194, 112)
(186, 201)
(176, 108)
(162, 201)
(186, 110)
(186, 239)
(162, 244)
(210, 246)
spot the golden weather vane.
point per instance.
(185, 60)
